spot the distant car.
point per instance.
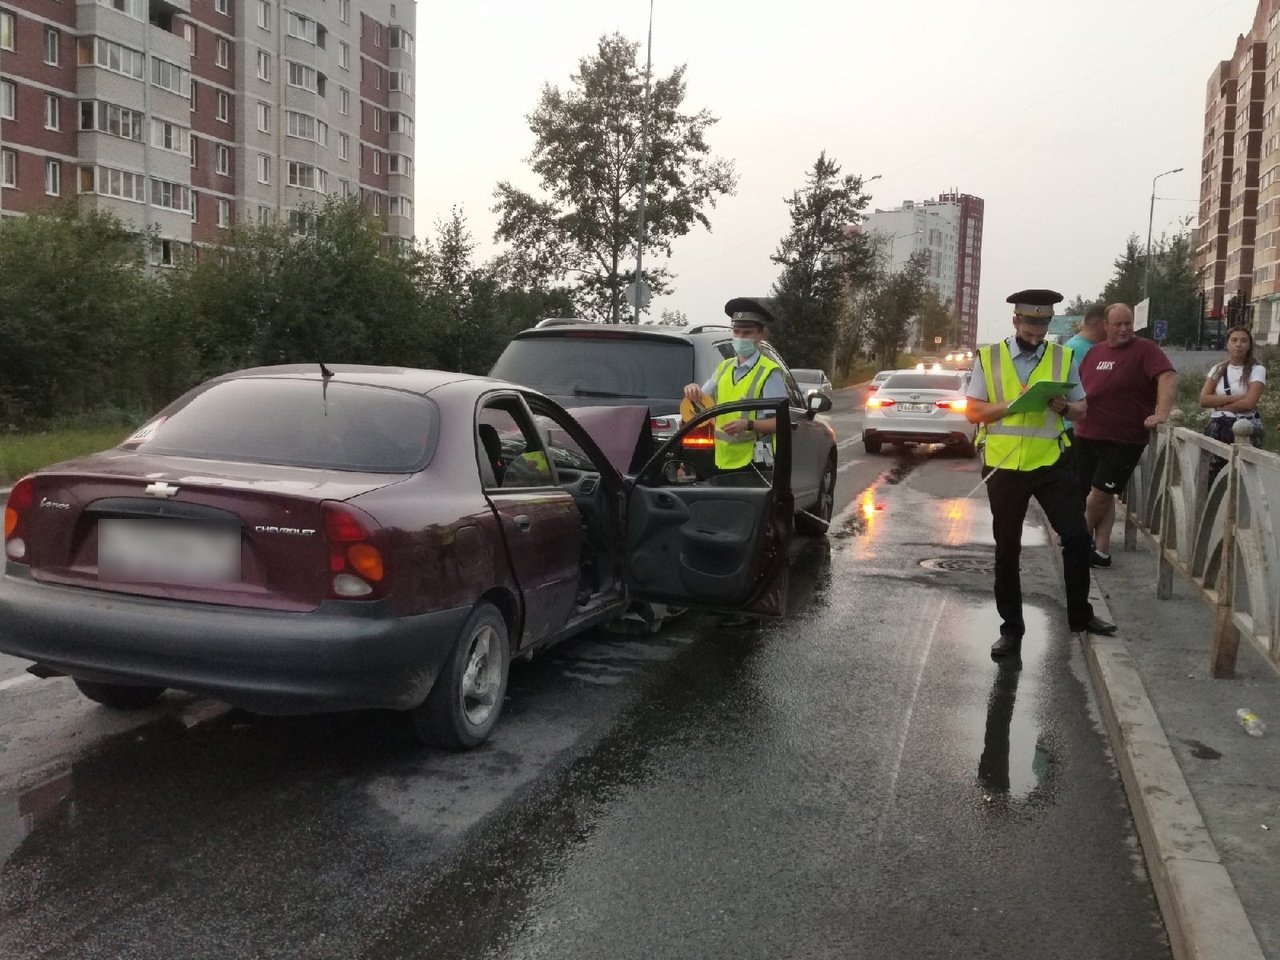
(912, 407)
(385, 538)
(811, 379)
(879, 379)
(592, 364)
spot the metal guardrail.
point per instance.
(1223, 538)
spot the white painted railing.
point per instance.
(1222, 538)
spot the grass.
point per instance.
(20, 453)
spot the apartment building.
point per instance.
(1238, 231)
(948, 232)
(185, 116)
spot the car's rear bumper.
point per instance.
(344, 655)
(918, 431)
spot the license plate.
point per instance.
(164, 551)
(915, 407)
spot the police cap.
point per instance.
(749, 310)
(1034, 306)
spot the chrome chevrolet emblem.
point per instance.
(160, 489)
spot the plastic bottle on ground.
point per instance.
(1251, 722)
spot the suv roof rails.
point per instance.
(705, 327)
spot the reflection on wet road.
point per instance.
(857, 780)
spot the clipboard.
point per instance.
(1037, 396)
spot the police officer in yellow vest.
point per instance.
(1023, 457)
(747, 375)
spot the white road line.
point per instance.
(17, 681)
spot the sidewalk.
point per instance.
(1205, 796)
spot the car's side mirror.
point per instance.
(679, 471)
(815, 402)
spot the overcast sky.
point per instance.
(1057, 116)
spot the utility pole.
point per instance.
(639, 298)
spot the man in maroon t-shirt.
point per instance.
(1131, 385)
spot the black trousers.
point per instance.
(1057, 488)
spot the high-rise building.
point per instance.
(948, 232)
(1238, 234)
(184, 116)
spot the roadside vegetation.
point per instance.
(1195, 417)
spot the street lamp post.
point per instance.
(644, 172)
(1151, 216)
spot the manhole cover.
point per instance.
(960, 564)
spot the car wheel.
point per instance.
(119, 696)
(463, 707)
(871, 444)
(815, 521)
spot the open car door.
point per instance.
(698, 536)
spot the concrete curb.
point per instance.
(1202, 911)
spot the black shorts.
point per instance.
(1106, 465)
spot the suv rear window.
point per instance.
(302, 423)
(586, 366)
(922, 381)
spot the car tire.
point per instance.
(815, 521)
(871, 444)
(119, 696)
(463, 707)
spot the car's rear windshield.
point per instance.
(303, 423)
(586, 366)
(923, 381)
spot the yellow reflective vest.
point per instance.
(735, 452)
(1022, 441)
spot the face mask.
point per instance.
(744, 346)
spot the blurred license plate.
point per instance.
(915, 407)
(165, 551)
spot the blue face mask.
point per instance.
(744, 346)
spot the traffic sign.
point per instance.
(1161, 329)
(1140, 311)
(638, 294)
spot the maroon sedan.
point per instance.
(298, 539)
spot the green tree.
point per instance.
(587, 156)
(822, 256)
(889, 304)
(1125, 285)
(937, 319)
(1175, 287)
(71, 293)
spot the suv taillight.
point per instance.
(21, 498)
(664, 425)
(357, 570)
(701, 438)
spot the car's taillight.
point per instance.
(21, 498)
(875, 402)
(356, 566)
(664, 424)
(957, 405)
(701, 438)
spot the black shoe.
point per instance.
(1098, 626)
(1006, 646)
(1098, 560)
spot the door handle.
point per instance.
(665, 500)
(522, 522)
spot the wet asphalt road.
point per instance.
(858, 780)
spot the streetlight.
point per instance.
(894, 246)
(641, 288)
(1151, 216)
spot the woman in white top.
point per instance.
(1232, 391)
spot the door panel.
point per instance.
(714, 541)
(544, 541)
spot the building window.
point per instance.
(169, 136)
(377, 120)
(189, 34)
(222, 55)
(264, 214)
(377, 161)
(264, 14)
(195, 149)
(301, 76)
(195, 207)
(8, 100)
(8, 168)
(344, 55)
(192, 91)
(264, 168)
(52, 119)
(264, 66)
(302, 175)
(223, 7)
(224, 106)
(53, 178)
(170, 76)
(264, 117)
(52, 41)
(377, 76)
(224, 213)
(111, 56)
(377, 203)
(344, 188)
(301, 27)
(377, 34)
(344, 101)
(344, 147)
(344, 11)
(222, 160)
(6, 31)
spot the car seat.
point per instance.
(493, 450)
